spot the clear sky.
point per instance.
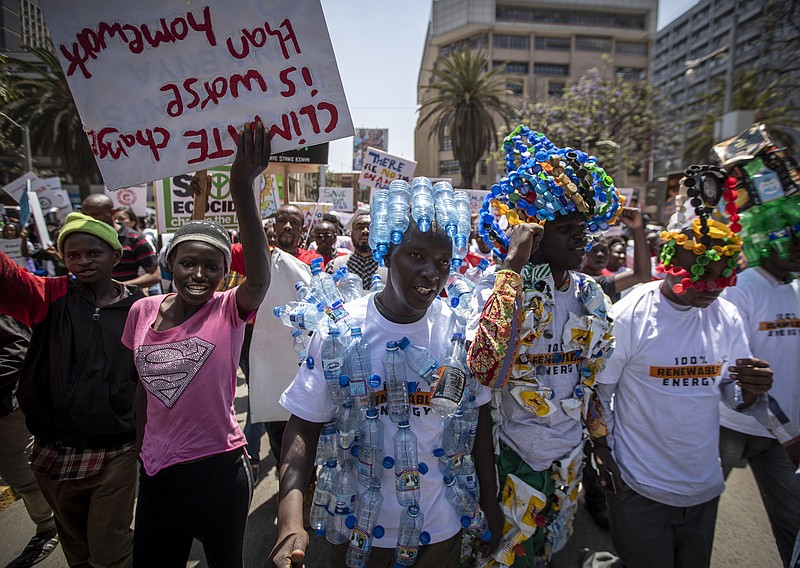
(378, 47)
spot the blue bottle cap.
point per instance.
(423, 468)
(344, 381)
(487, 534)
(374, 381)
(425, 537)
(466, 521)
(310, 362)
(405, 342)
(453, 302)
(320, 532)
(388, 462)
(438, 452)
(350, 521)
(277, 311)
(355, 449)
(378, 531)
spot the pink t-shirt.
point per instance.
(189, 374)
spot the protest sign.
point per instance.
(476, 197)
(175, 203)
(12, 248)
(364, 138)
(616, 229)
(340, 197)
(312, 211)
(134, 197)
(164, 86)
(379, 169)
(49, 191)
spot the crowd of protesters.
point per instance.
(120, 354)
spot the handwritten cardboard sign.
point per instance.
(341, 197)
(175, 203)
(163, 86)
(380, 169)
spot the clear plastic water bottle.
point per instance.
(344, 497)
(446, 207)
(318, 516)
(349, 284)
(338, 314)
(422, 203)
(379, 232)
(346, 432)
(300, 341)
(326, 445)
(471, 412)
(410, 536)
(376, 284)
(419, 360)
(322, 284)
(333, 353)
(359, 370)
(303, 293)
(365, 525)
(370, 449)
(464, 224)
(457, 254)
(397, 209)
(308, 317)
(407, 467)
(451, 379)
(467, 508)
(475, 273)
(394, 379)
(467, 477)
(451, 453)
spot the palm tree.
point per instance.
(38, 95)
(465, 100)
(750, 93)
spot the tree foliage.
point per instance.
(592, 109)
(466, 98)
(39, 97)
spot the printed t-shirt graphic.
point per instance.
(170, 367)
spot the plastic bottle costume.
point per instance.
(351, 446)
(542, 183)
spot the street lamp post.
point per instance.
(618, 147)
(27, 139)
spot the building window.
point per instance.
(593, 43)
(551, 69)
(555, 88)
(478, 41)
(565, 17)
(448, 167)
(515, 67)
(515, 87)
(484, 169)
(630, 73)
(446, 144)
(501, 41)
(553, 43)
(34, 32)
(631, 48)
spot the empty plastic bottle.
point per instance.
(344, 495)
(370, 449)
(467, 508)
(475, 273)
(451, 453)
(308, 317)
(463, 228)
(365, 525)
(333, 354)
(397, 209)
(359, 370)
(322, 284)
(451, 379)
(410, 536)
(471, 412)
(338, 314)
(467, 477)
(379, 232)
(376, 284)
(303, 293)
(422, 203)
(346, 432)
(326, 445)
(349, 284)
(407, 467)
(394, 379)
(446, 211)
(318, 516)
(419, 360)
(300, 341)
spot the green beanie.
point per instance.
(80, 223)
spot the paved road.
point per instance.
(743, 537)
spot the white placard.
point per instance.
(12, 248)
(380, 169)
(340, 197)
(163, 86)
(134, 197)
(49, 191)
(616, 229)
(38, 219)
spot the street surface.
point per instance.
(743, 537)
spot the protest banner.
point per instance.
(364, 138)
(175, 203)
(476, 197)
(340, 197)
(49, 191)
(164, 86)
(12, 248)
(379, 169)
(312, 211)
(134, 197)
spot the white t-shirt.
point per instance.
(540, 440)
(771, 314)
(307, 398)
(668, 367)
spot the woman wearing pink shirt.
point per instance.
(195, 481)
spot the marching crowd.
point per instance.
(562, 368)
